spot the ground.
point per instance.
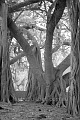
(33, 111)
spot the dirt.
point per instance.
(33, 111)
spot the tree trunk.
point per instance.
(4, 43)
(74, 92)
(0, 66)
(11, 90)
(35, 66)
(35, 85)
(52, 20)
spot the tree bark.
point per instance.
(74, 92)
(33, 81)
(1, 51)
(52, 20)
(5, 58)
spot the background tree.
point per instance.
(34, 34)
(51, 53)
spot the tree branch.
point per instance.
(35, 66)
(64, 64)
(18, 16)
(31, 26)
(14, 8)
(57, 14)
(58, 46)
(12, 61)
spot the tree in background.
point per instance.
(42, 85)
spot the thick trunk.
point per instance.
(52, 20)
(4, 58)
(25, 46)
(74, 92)
(38, 87)
(35, 66)
(4, 43)
(48, 61)
(33, 91)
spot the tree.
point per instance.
(5, 82)
(28, 50)
(47, 83)
(4, 53)
(74, 92)
(52, 20)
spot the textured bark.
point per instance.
(35, 88)
(5, 57)
(0, 66)
(61, 82)
(52, 20)
(5, 90)
(74, 92)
